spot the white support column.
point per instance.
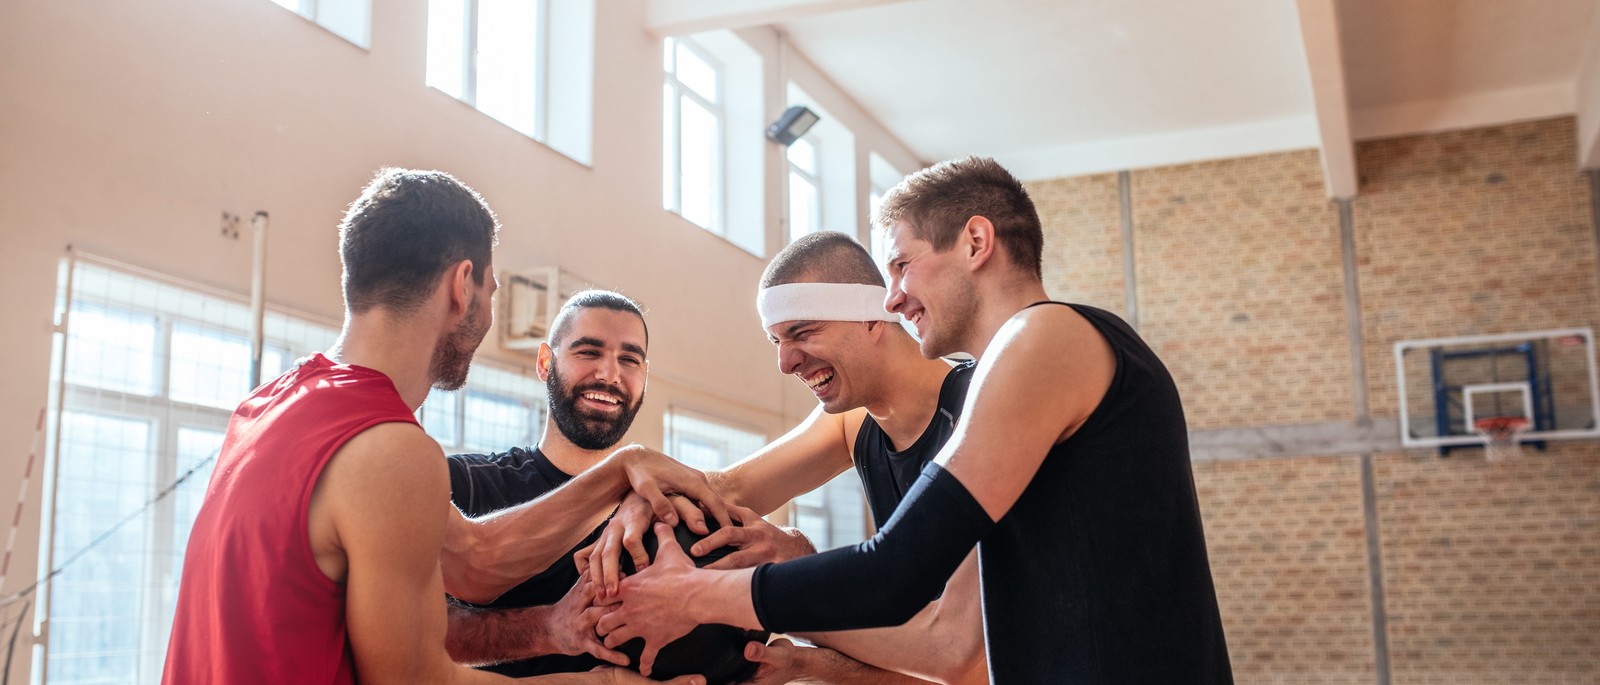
(1319, 32)
(1587, 95)
(683, 17)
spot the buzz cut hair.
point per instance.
(822, 257)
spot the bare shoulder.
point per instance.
(386, 465)
(1052, 356)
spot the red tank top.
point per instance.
(253, 607)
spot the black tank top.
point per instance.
(887, 474)
(485, 483)
(1098, 573)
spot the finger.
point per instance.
(711, 502)
(742, 515)
(732, 535)
(667, 545)
(661, 505)
(608, 625)
(691, 514)
(687, 680)
(633, 541)
(599, 651)
(647, 659)
(580, 558)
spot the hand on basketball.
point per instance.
(757, 541)
(654, 476)
(651, 604)
(573, 625)
(624, 534)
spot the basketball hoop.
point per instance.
(1500, 436)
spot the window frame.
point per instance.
(539, 129)
(672, 183)
(810, 178)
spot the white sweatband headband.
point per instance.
(823, 302)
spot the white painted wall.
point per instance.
(127, 128)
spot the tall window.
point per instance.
(692, 131)
(706, 444)
(349, 19)
(152, 371)
(493, 55)
(805, 188)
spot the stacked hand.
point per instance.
(756, 540)
(655, 477)
(573, 625)
(653, 605)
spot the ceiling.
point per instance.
(1065, 87)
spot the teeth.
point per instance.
(820, 379)
(598, 397)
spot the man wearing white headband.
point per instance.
(884, 410)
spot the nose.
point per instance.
(789, 358)
(896, 298)
(608, 370)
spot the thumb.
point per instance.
(667, 544)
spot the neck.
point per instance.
(905, 406)
(998, 300)
(391, 345)
(570, 458)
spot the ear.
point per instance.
(542, 365)
(875, 329)
(978, 241)
(461, 287)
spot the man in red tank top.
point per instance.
(316, 555)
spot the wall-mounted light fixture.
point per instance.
(794, 123)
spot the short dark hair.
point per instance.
(937, 202)
(407, 228)
(822, 257)
(594, 299)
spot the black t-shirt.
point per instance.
(485, 483)
(887, 474)
(1098, 573)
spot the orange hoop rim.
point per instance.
(1501, 424)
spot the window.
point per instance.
(508, 58)
(498, 409)
(693, 133)
(805, 188)
(833, 515)
(707, 444)
(153, 369)
(349, 19)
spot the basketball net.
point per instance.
(1500, 436)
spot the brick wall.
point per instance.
(1241, 289)
(1491, 570)
(1083, 246)
(1288, 555)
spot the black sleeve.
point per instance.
(920, 547)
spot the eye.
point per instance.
(630, 360)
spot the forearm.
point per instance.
(480, 637)
(943, 642)
(832, 668)
(484, 557)
(921, 546)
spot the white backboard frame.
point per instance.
(1408, 440)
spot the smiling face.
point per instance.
(930, 289)
(596, 376)
(830, 357)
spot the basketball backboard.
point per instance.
(1449, 384)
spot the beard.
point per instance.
(452, 357)
(587, 430)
